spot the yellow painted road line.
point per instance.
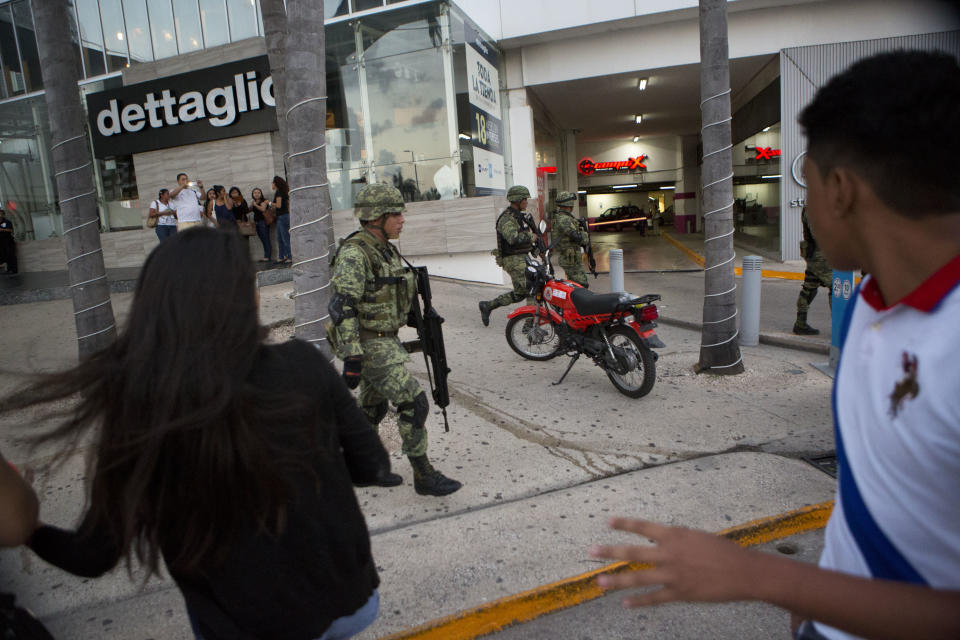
(693, 255)
(529, 605)
(767, 273)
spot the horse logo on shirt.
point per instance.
(907, 387)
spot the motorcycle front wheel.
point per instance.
(533, 337)
(638, 381)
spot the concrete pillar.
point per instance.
(568, 165)
(686, 197)
(522, 146)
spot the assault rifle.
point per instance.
(430, 331)
(591, 261)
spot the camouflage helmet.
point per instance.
(375, 200)
(517, 193)
(566, 199)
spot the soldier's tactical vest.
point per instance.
(505, 248)
(388, 291)
(564, 241)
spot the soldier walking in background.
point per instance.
(569, 236)
(818, 274)
(373, 292)
(515, 238)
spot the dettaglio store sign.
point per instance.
(226, 101)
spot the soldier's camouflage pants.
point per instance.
(572, 265)
(515, 266)
(818, 274)
(393, 383)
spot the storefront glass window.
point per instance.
(346, 149)
(12, 77)
(756, 190)
(213, 14)
(186, 17)
(26, 189)
(408, 110)
(333, 8)
(111, 17)
(243, 19)
(138, 31)
(162, 30)
(91, 37)
(362, 5)
(29, 56)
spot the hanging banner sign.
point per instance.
(588, 167)
(486, 128)
(226, 101)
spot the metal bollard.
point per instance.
(750, 301)
(616, 271)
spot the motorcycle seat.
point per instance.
(588, 303)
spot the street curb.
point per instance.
(798, 344)
(529, 605)
(700, 260)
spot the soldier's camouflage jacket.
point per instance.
(371, 273)
(567, 232)
(513, 235)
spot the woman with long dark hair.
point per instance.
(281, 206)
(261, 206)
(209, 213)
(207, 452)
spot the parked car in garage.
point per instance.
(619, 218)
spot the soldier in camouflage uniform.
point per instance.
(818, 274)
(569, 236)
(373, 291)
(515, 238)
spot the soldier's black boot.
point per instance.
(801, 328)
(387, 479)
(485, 313)
(427, 481)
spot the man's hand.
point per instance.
(200, 184)
(688, 565)
(352, 367)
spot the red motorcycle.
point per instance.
(616, 330)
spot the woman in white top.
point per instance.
(160, 208)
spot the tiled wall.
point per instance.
(245, 162)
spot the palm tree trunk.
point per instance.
(274, 17)
(719, 350)
(72, 163)
(311, 226)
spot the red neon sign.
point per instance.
(766, 153)
(588, 166)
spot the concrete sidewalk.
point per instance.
(542, 466)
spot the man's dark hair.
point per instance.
(181, 174)
(894, 119)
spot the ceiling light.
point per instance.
(765, 129)
(665, 188)
(120, 35)
(765, 177)
(581, 191)
(464, 136)
(625, 186)
(642, 84)
(636, 138)
(638, 118)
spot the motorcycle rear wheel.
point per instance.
(533, 338)
(639, 381)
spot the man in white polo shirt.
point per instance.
(890, 566)
(186, 200)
